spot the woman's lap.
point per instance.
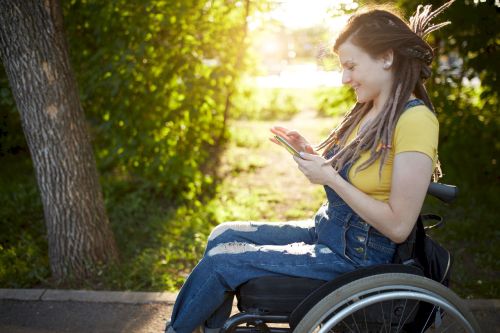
(239, 262)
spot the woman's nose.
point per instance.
(346, 78)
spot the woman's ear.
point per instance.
(387, 59)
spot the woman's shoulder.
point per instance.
(417, 113)
(417, 130)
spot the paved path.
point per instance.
(66, 311)
(57, 311)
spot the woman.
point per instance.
(376, 168)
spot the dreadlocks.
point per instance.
(376, 31)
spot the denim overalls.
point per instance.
(335, 241)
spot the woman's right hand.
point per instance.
(294, 138)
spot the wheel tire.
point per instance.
(380, 282)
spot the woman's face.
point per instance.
(370, 78)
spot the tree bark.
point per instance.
(35, 56)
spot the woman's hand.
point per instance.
(315, 169)
(294, 138)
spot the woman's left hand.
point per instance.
(315, 169)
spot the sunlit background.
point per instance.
(293, 43)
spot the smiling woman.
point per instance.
(375, 168)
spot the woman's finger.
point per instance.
(309, 149)
(282, 131)
(273, 140)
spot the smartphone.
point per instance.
(288, 146)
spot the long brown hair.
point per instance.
(376, 31)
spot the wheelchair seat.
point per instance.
(279, 295)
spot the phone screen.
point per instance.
(288, 147)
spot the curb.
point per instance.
(124, 297)
(138, 297)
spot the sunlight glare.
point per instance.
(293, 52)
(301, 76)
(296, 14)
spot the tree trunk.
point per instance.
(35, 56)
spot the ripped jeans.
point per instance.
(239, 251)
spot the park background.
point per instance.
(178, 98)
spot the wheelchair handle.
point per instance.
(444, 192)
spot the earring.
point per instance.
(386, 65)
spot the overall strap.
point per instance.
(413, 102)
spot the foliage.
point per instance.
(11, 136)
(23, 246)
(335, 101)
(154, 78)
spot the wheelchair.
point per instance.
(381, 298)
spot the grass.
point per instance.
(274, 103)
(470, 232)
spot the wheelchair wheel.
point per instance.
(391, 302)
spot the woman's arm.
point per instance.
(395, 219)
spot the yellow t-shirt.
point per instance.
(416, 130)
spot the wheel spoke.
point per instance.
(429, 317)
(390, 316)
(366, 322)
(383, 316)
(348, 326)
(402, 314)
(355, 322)
(452, 325)
(410, 314)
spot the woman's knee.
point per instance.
(221, 251)
(228, 232)
(230, 228)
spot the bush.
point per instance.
(154, 77)
(336, 101)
